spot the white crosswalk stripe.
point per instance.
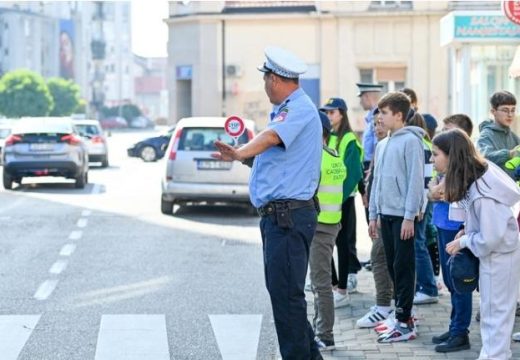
(237, 335)
(132, 337)
(14, 332)
(139, 336)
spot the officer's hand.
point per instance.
(407, 230)
(226, 152)
(372, 229)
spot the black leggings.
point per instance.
(348, 262)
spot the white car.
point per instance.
(193, 175)
(93, 136)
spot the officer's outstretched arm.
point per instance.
(260, 143)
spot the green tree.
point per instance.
(65, 94)
(24, 93)
(128, 111)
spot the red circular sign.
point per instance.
(512, 10)
(234, 126)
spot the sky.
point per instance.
(149, 32)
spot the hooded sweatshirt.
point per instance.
(495, 141)
(398, 186)
(491, 224)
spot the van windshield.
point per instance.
(203, 139)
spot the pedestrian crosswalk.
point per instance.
(141, 336)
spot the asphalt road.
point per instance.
(100, 273)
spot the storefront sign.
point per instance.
(512, 10)
(478, 26)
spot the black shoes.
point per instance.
(454, 343)
(441, 338)
(324, 344)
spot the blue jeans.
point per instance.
(425, 281)
(286, 256)
(460, 303)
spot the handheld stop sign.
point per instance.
(234, 127)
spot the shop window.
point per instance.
(389, 5)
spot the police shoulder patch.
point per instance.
(281, 115)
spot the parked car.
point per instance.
(114, 122)
(193, 175)
(92, 134)
(44, 147)
(5, 131)
(151, 149)
(141, 122)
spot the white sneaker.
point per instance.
(516, 336)
(400, 332)
(341, 300)
(421, 298)
(372, 318)
(386, 325)
(352, 283)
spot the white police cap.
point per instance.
(282, 63)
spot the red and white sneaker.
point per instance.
(385, 325)
(400, 332)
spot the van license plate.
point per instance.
(213, 165)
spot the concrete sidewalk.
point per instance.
(353, 343)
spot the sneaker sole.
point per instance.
(397, 339)
(426, 302)
(458, 348)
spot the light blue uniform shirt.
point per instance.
(369, 136)
(290, 170)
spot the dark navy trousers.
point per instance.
(461, 303)
(286, 256)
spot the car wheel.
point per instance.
(8, 181)
(166, 207)
(148, 153)
(81, 180)
(104, 162)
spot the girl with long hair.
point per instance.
(489, 197)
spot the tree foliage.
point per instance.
(66, 96)
(24, 93)
(128, 111)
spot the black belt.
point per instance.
(270, 207)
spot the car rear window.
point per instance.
(203, 139)
(87, 130)
(4, 133)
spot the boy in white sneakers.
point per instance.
(395, 202)
(383, 283)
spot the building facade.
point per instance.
(56, 39)
(481, 43)
(215, 47)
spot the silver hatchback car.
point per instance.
(95, 139)
(44, 147)
(193, 175)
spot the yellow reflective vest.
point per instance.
(330, 191)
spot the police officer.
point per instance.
(283, 182)
(369, 95)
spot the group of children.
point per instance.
(417, 183)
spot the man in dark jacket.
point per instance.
(497, 142)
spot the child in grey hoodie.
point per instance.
(396, 200)
(489, 197)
